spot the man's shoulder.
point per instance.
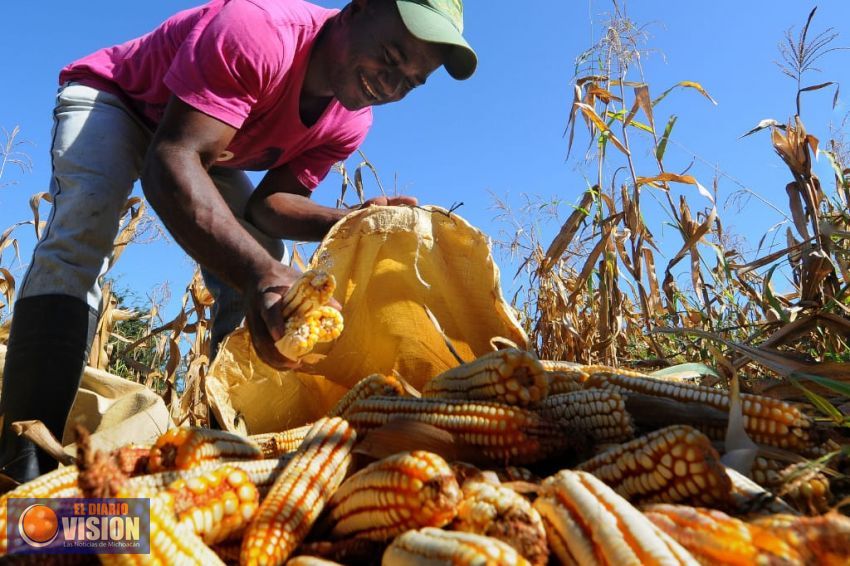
(296, 13)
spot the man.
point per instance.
(276, 85)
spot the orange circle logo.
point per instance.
(38, 525)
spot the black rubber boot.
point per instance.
(48, 346)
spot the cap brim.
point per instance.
(429, 25)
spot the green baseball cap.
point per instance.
(441, 21)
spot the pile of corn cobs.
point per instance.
(504, 460)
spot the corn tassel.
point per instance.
(301, 334)
(370, 386)
(310, 291)
(599, 413)
(278, 444)
(436, 547)
(510, 376)
(171, 543)
(497, 511)
(300, 493)
(587, 523)
(217, 505)
(183, 448)
(671, 465)
(768, 421)
(713, 537)
(386, 498)
(499, 432)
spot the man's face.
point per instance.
(378, 60)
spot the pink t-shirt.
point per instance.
(242, 62)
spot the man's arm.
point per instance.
(177, 185)
(281, 208)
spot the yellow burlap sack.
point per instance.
(389, 263)
(114, 410)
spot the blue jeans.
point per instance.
(97, 153)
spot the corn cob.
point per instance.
(406, 491)
(310, 291)
(599, 413)
(767, 420)
(671, 465)
(515, 473)
(302, 333)
(58, 483)
(277, 444)
(183, 448)
(171, 543)
(510, 376)
(802, 484)
(588, 523)
(261, 473)
(564, 382)
(713, 537)
(436, 547)
(499, 432)
(499, 512)
(216, 505)
(310, 561)
(749, 498)
(346, 551)
(820, 540)
(300, 493)
(370, 386)
(561, 366)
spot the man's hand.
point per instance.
(263, 314)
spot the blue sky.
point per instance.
(501, 132)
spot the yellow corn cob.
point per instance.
(803, 485)
(277, 444)
(58, 483)
(183, 448)
(564, 382)
(819, 540)
(300, 493)
(436, 547)
(217, 505)
(346, 551)
(310, 291)
(310, 561)
(499, 432)
(713, 537)
(599, 413)
(171, 543)
(565, 367)
(370, 386)
(499, 512)
(588, 523)
(261, 473)
(302, 333)
(515, 473)
(510, 376)
(767, 420)
(608, 370)
(406, 491)
(671, 465)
